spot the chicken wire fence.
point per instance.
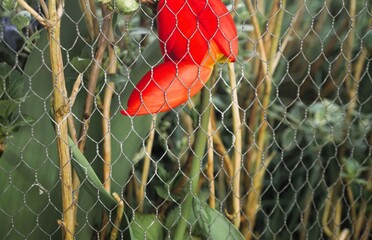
(276, 145)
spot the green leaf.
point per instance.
(8, 4)
(147, 226)
(213, 224)
(15, 85)
(288, 139)
(21, 19)
(81, 64)
(7, 107)
(86, 172)
(5, 70)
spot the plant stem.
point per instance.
(237, 155)
(61, 110)
(119, 217)
(88, 8)
(109, 92)
(73, 134)
(36, 15)
(210, 167)
(200, 143)
(93, 78)
(45, 8)
(146, 165)
(252, 204)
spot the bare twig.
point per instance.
(344, 234)
(93, 78)
(75, 89)
(271, 24)
(146, 165)
(252, 204)
(35, 14)
(106, 111)
(210, 167)
(45, 8)
(237, 155)
(88, 9)
(73, 134)
(61, 110)
(119, 217)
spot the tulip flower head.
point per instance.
(194, 35)
(187, 28)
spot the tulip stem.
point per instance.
(200, 144)
(146, 165)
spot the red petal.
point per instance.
(165, 87)
(220, 27)
(180, 37)
(188, 27)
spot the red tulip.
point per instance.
(165, 87)
(187, 28)
(194, 35)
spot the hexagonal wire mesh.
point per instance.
(280, 148)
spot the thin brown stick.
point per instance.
(368, 228)
(326, 214)
(237, 153)
(360, 220)
(344, 234)
(118, 218)
(74, 92)
(61, 110)
(277, 29)
(252, 204)
(108, 94)
(88, 9)
(210, 166)
(220, 148)
(106, 112)
(146, 165)
(36, 15)
(337, 219)
(107, 138)
(351, 85)
(73, 134)
(93, 78)
(225, 158)
(271, 24)
(45, 8)
(306, 215)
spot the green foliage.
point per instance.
(21, 19)
(8, 5)
(314, 140)
(214, 224)
(12, 84)
(147, 226)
